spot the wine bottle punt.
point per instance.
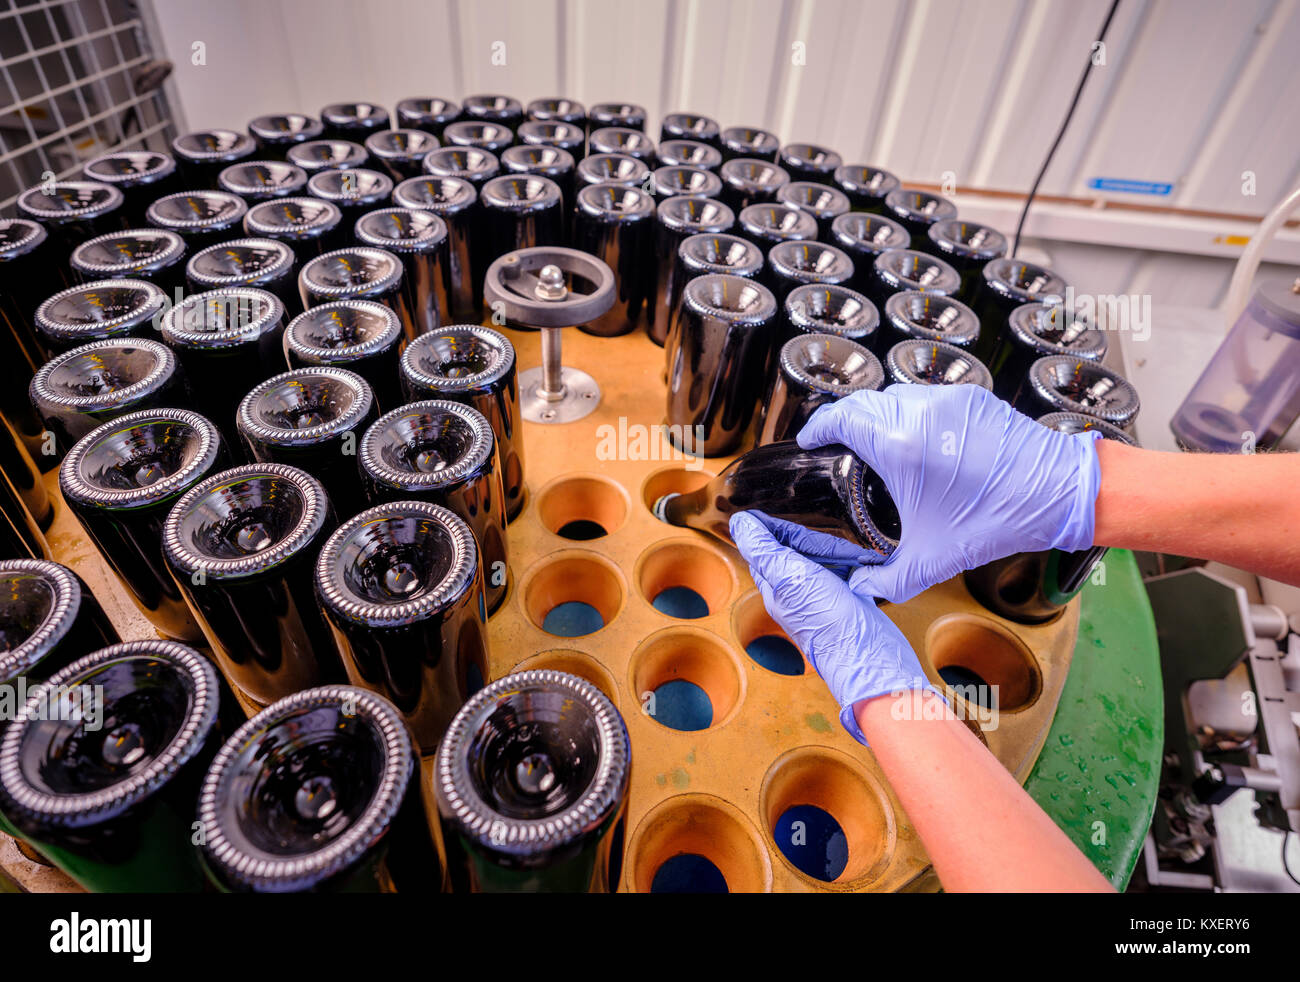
(867, 187)
(531, 783)
(1037, 330)
(492, 137)
(359, 273)
(428, 114)
(968, 247)
(612, 168)
(263, 180)
(455, 202)
(676, 220)
(796, 263)
(355, 190)
(312, 419)
(401, 585)
(152, 254)
(689, 153)
(767, 224)
(690, 126)
(907, 269)
(622, 140)
(557, 111)
(1071, 384)
(552, 162)
(79, 390)
(929, 317)
(1008, 283)
(98, 311)
(823, 202)
(419, 240)
(811, 371)
(476, 366)
(917, 211)
(918, 362)
(616, 225)
(360, 335)
(353, 120)
(72, 212)
(263, 263)
(749, 181)
(275, 134)
(809, 162)
(141, 176)
(226, 341)
(716, 356)
(569, 137)
(315, 156)
(694, 182)
(865, 237)
(828, 309)
(48, 619)
(749, 141)
(241, 545)
(401, 152)
(445, 453)
(103, 773)
(699, 255)
(203, 154)
(495, 108)
(616, 114)
(308, 226)
(121, 480)
(201, 218)
(318, 793)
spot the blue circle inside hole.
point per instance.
(681, 602)
(964, 680)
(688, 873)
(572, 620)
(813, 841)
(776, 654)
(682, 705)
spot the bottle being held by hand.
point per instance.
(828, 489)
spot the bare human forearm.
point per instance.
(982, 830)
(1238, 509)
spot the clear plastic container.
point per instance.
(1249, 394)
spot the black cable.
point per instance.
(1285, 865)
(1069, 113)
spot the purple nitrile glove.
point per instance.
(856, 649)
(973, 480)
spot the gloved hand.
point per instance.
(973, 479)
(855, 648)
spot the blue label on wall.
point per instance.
(1131, 187)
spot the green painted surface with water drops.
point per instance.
(1101, 761)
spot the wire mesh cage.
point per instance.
(79, 80)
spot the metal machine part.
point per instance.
(551, 288)
(1209, 630)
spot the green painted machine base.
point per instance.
(1099, 770)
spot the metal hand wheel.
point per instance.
(551, 288)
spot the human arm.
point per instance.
(1238, 509)
(982, 831)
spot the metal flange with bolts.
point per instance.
(551, 288)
